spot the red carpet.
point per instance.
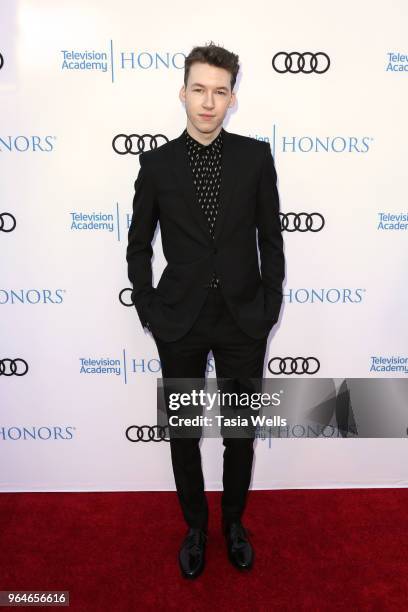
(315, 550)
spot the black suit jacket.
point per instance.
(248, 212)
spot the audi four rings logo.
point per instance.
(1, 61)
(8, 367)
(135, 144)
(302, 222)
(293, 365)
(296, 62)
(147, 433)
(122, 296)
(7, 225)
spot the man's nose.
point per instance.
(209, 101)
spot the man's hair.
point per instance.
(215, 56)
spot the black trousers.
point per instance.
(235, 354)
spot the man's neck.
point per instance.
(203, 138)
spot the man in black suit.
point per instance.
(215, 195)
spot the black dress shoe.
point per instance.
(240, 551)
(192, 553)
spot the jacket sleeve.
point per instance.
(140, 235)
(270, 239)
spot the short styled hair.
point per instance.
(215, 56)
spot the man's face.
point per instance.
(207, 97)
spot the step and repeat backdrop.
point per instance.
(85, 88)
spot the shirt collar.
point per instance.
(216, 143)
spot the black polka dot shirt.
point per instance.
(205, 163)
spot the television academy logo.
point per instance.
(109, 61)
(392, 221)
(13, 367)
(1, 61)
(397, 62)
(389, 363)
(135, 143)
(295, 62)
(126, 366)
(7, 222)
(301, 222)
(122, 367)
(84, 60)
(81, 221)
(116, 222)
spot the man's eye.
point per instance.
(220, 92)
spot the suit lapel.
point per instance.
(182, 170)
(228, 181)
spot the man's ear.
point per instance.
(182, 94)
(233, 100)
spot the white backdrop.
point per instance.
(339, 142)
